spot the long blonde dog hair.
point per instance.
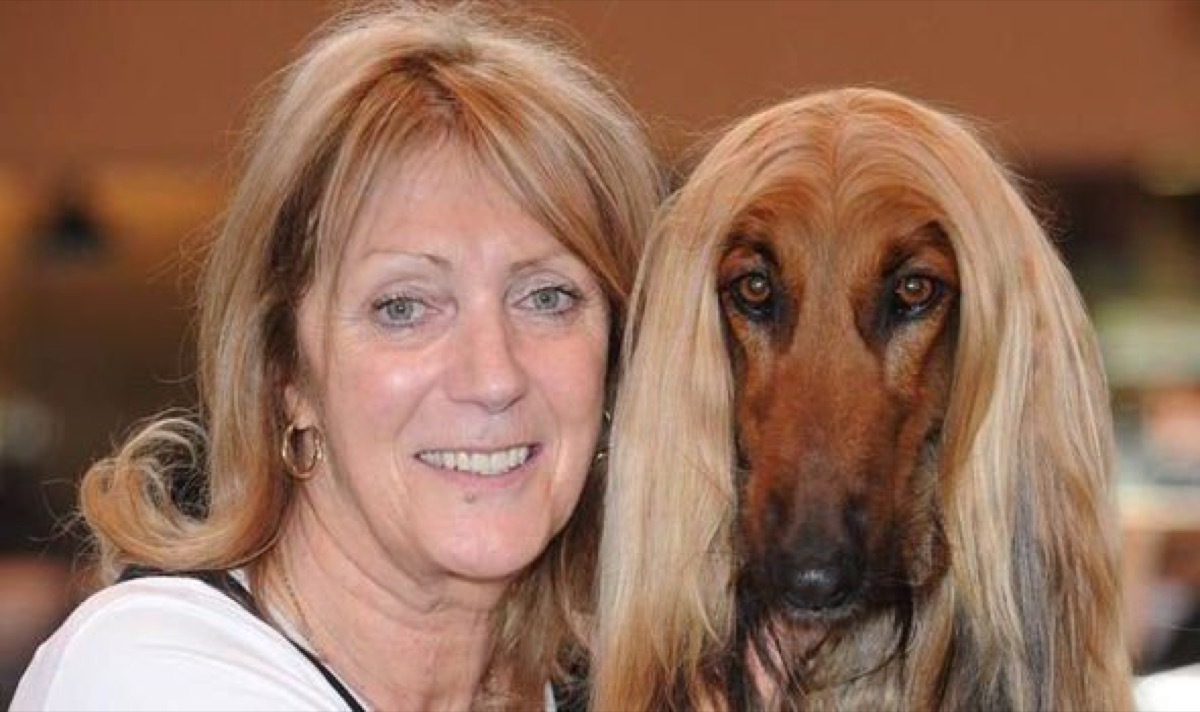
(1027, 615)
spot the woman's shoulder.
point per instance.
(168, 643)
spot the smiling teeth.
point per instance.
(477, 463)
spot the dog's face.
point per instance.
(841, 335)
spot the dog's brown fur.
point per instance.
(906, 506)
(841, 391)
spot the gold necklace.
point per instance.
(294, 601)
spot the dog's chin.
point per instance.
(798, 634)
(805, 628)
(823, 618)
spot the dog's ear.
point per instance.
(1027, 465)
(665, 557)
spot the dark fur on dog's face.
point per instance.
(841, 335)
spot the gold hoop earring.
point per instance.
(300, 452)
(601, 453)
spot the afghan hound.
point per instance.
(860, 458)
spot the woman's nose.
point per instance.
(486, 369)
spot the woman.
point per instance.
(406, 343)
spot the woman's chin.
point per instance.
(497, 558)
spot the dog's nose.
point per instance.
(815, 560)
(822, 585)
(819, 588)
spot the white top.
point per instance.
(1175, 690)
(169, 643)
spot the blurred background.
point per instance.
(119, 122)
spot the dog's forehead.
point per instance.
(814, 228)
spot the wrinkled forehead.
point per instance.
(404, 181)
(394, 180)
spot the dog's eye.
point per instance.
(752, 295)
(914, 294)
(754, 288)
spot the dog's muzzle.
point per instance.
(817, 578)
(814, 562)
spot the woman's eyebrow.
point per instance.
(384, 253)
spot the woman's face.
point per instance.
(456, 367)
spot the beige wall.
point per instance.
(1062, 82)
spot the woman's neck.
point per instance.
(397, 640)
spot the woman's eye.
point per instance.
(399, 311)
(914, 294)
(551, 300)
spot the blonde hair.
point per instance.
(1025, 454)
(376, 86)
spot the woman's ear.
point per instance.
(298, 405)
(299, 400)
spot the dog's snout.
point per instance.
(809, 549)
(821, 570)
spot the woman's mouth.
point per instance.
(489, 463)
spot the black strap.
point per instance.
(225, 582)
(570, 697)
